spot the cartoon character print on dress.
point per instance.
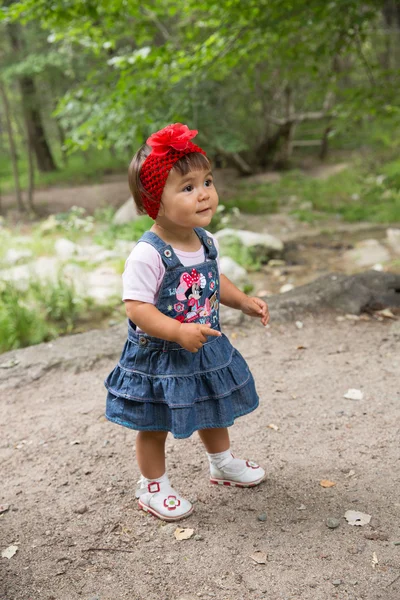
(189, 293)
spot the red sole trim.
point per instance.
(226, 482)
(160, 516)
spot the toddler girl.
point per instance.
(177, 371)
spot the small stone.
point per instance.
(80, 510)
(262, 517)
(332, 522)
(198, 537)
(337, 582)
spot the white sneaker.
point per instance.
(251, 475)
(162, 501)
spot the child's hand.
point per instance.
(192, 336)
(255, 307)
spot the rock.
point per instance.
(332, 522)
(65, 249)
(366, 254)
(233, 271)
(80, 510)
(288, 287)
(352, 294)
(337, 582)
(126, 213)
(43, 268)
(198, 537)
(393, 239)
(262, 517)
(263, 245)
(103, 284)
(231, 317)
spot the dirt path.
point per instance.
(69, 477)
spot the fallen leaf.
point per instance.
(274, 427)
(353, 394)
(354, 517)
(374, 561)
(325, 483)
(299, 325)
(182, 533)
(9, 552)
(301, 347)
(259, 557)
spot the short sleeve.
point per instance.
(143, 274)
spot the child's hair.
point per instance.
(190, 162)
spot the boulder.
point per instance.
(126, 213)
(354, 294)
(262, 245)
(233, 271)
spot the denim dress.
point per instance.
(158, 385)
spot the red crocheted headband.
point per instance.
(168, 146)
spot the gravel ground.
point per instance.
(69, 476)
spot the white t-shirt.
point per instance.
(144, 270)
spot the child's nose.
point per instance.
(203, 194)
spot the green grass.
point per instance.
(355, 194)
(43, 311)
(108, 234)
(80, 170)
(233, 247)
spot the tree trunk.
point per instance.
(30, 105)
(31, 180)
(13, 149)
(323, 153)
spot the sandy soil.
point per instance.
(69, 476)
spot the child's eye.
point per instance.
(188, 188)
(208, 182)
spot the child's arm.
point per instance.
(231, 296)
(149, 319)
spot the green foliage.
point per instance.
(60, 301)
(42, 311)
(20, 324)
(80, 169)
(73, 221)
(129, 231)
(233, 247)
(352, 195)
(134, 67)
(223, 217)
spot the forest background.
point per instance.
(270, 85)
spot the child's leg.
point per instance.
(155, 493)
(225, 469)
(215, 440)
(150, 453)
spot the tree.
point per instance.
(247, 75)
(30, 103)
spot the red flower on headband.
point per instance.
(174, 136)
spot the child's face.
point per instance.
(189, 200)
